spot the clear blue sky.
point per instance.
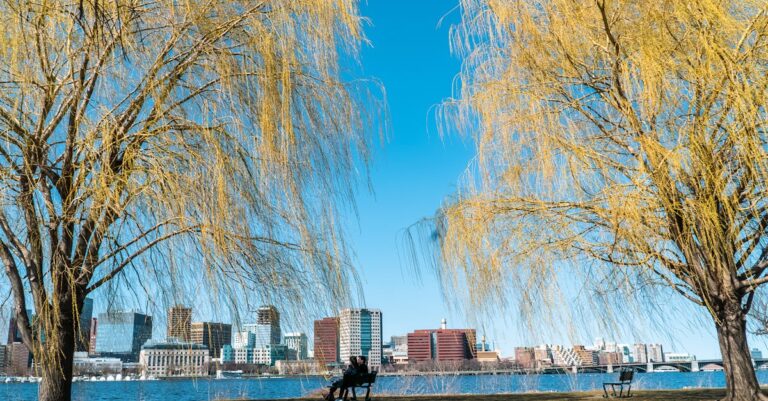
(413, 172)
(416, 169)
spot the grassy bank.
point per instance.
(660, 395)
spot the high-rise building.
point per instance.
(399, 342)
(640, 353)
(655, 353)
(17, 359)
(562, 356)
(14, 334)
(92, 337)
(121, 334)
(3, 358)
(525, 357)
(262, 334)
(360, 334)
(626, 353)
(455, 344)
(441, 345)
(243, 339)
(326, 345)
(606, 358)
(268, 315)
(543, 356)
(297, 342)
(180, 323)
(270, 354)
(265, 332)
(587, 357)
(212, 335)
(420, 346)
(84, 337)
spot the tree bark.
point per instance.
(57, 361)
(740, 381)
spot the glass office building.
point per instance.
(360, 334)
(121, 334)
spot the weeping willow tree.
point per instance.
(132, 130)
(623, 137)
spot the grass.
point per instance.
(655, 395)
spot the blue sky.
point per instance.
(416, 169)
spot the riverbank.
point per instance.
(655, 395)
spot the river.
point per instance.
(288, 387)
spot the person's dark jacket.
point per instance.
(362, 370)
(354, 374)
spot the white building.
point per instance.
(563, 356)
(298, 343)
(242, 355)
(640, 353)
(164, 359)
(269, 355)
(678, 357)
(83, 365)
(360, 334)
(626, 352)
(262, 334)
(655, 353)
(244, 339)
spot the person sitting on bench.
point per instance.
(356, 369)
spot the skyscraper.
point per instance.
(640, 353)
(297, 342)
(326, 343)
(14, 334)
(212, 335)
(92, 337)
(121, 334)
(360, 334)
(17, 359)
(179, 323)
(3, 358)
(84, 337)
(655, 353)
(268, 317)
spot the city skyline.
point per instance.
(161, 331)
(418, 75)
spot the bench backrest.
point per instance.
(626, 375)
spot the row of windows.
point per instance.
(164, 360)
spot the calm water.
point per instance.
(270, 388)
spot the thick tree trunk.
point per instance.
(740, 380)
(56, 363)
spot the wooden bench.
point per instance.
(365, 382)
(625, 379)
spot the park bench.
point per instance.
(365, 381)
(625, 379)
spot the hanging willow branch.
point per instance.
(134, 131)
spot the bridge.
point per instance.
(702, 365)
(668, 366)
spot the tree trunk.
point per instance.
(57, 360)
(740, 380)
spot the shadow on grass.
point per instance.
(660, 395)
